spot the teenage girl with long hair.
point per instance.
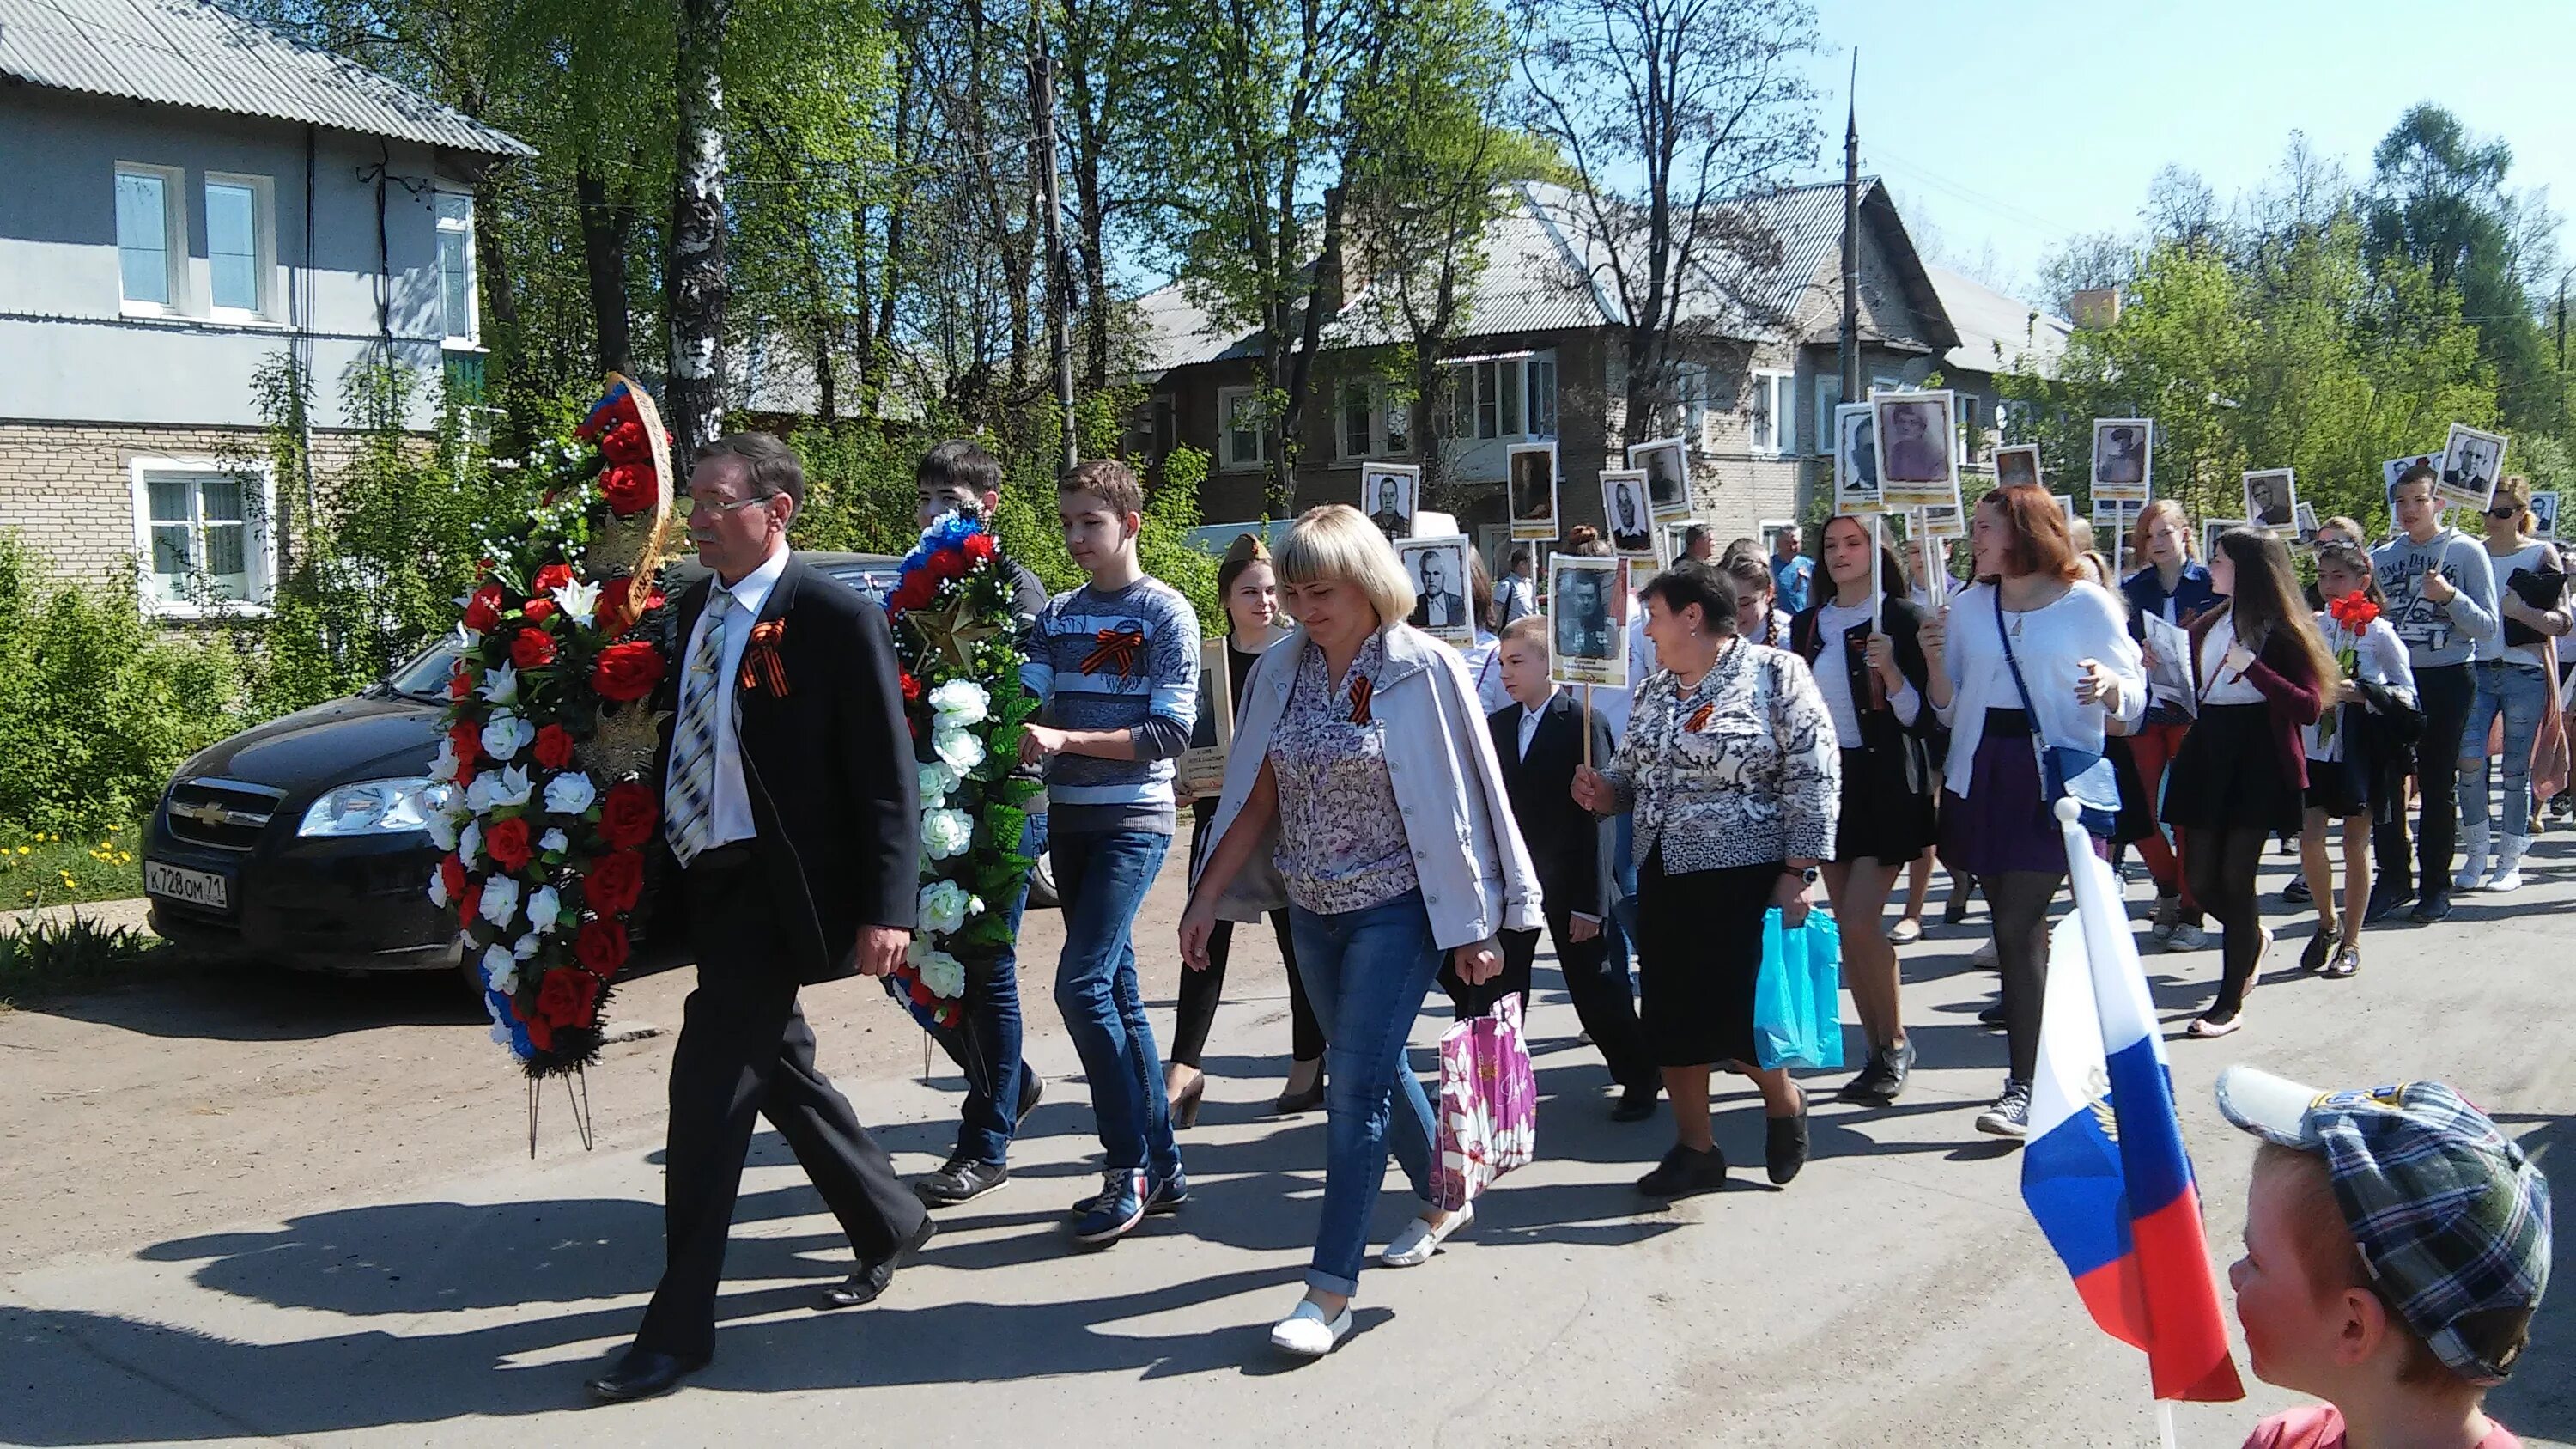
(2349, 772)
(2259, 669)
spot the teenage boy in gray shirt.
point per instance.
(2442, 601)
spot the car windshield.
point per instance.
(425, 677)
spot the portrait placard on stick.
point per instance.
(1201, 767)
(1918, 459)
(2396, 468)
(1666, 464)
(2124, 458)
(1531, 467)
(1389, 494)
(1631, 520)
(2472, 464)
(1856, 485)
(2066, 505)
(2307, 516)
(2272, 498)
(1585, 644)
(2544, 515)
(2017, 467)
(1437, 568)
(2210, 529)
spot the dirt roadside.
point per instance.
(137, 1115)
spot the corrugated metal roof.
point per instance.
(1996, 332)
(192, 53)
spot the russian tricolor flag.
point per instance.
(2105, 1171)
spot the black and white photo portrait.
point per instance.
(1918, 461)
(2472, 462)
(2544, 515)
(2120, 456)
(1531, 469)
(1631, 518)
(1666, 464)
(1587, 642)
(1437, 568)
(1387, 495)
(1856, 487)
(2272, 498)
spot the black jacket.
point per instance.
(1899, 755)
(829, 767)
(1564, 838)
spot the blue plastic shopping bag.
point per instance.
(1797, 1000)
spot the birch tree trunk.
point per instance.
(696, 270)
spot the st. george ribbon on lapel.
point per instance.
(761, 667)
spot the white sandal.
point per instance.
(1414, 1246)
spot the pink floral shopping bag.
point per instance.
(1488, 1105)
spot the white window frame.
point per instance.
(174, 240)
(259, 541)
(1524, 378)
(1778, 392)
(1694, 392)
(263, 206)
(472, 338)
(1828, 392)
(1226, 461)
(1382, 442)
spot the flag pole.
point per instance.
(1587, 726)
(1877, 590)
(2164, 1423)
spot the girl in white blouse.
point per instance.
(2349, 774)
(2070, 639)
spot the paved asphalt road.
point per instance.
(360, 1283)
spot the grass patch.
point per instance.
(71, 955)
(38, 869)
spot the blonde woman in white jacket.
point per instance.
(1362, 762)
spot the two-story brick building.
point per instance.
(191, 196)
(1539, 358)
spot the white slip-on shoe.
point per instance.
(1419, 1240)
(1307, 1333)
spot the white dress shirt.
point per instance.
(1529, 719)
(729, 803)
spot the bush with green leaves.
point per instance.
(97, 706)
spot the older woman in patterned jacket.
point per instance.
(1731, 769)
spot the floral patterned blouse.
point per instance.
(1341, 835)
(1739, 769)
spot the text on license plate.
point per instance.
(194, 887)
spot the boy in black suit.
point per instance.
(1539, 740)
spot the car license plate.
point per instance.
(207, 888)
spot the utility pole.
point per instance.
(1851, 242)
(1058, 290)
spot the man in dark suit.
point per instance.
(789, 805)
(1538, 738)
(1435, 604)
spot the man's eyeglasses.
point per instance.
(688, 504)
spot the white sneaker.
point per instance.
(1307, 1333)
(1414, 1246)
(2187, 937)
(2507, 874)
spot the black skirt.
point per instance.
(1882, 816)
(2229, 775)
(1699, 952)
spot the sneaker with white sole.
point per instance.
(2010, 1115)
(1307, 1333)
(1414, 1246)
(1116, 1212)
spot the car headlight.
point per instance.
(375, 807)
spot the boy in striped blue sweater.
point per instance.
(1116, 663)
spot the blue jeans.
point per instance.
(1366, 973)
(2521, 694)
(1101, 878)
(987, 1048)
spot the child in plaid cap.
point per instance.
(2396, 1245)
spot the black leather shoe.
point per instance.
(2386, 900)
(863, 1286)
(1993, 1015)
(1636, 1104)
(2434, 907)
(1784, 1144)
(643, 1374)
(960, 1179)
(1685, 1171)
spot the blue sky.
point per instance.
(2019, 124)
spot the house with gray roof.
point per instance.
(1539, 358)
(192, 197)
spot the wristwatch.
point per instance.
(1808, 874)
